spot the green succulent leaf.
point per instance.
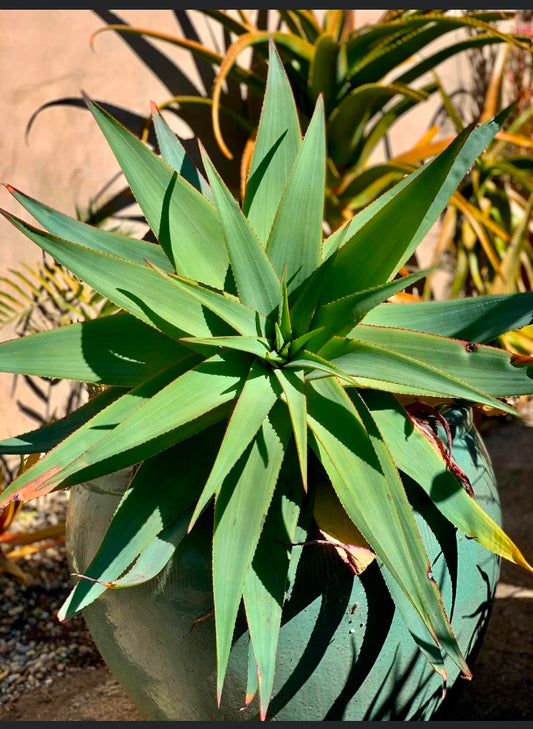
(293, 385)
(305, 340)
(266, 582)
(340, 316)
(418, 458)
(360, 263)
(344, 132)
(63, 226)
(386, 368)
(255, 401)
(184, 221)
(113, 350)
(185, 406)
(316, 366)
(256, 280)
(485, 368)
(323, 72)
(45, 475)
(284, 316)
(371, 183)
(369, 487)
(392, 51)
(165, 305)
(432, 653)
(154, 558)
(227, 307)
(49, 436)
(159, 413)
(476, 319)
(240, 512)
(431, 61)
(174, 154)
(254, 345)
(276, 146)
(252, 680)
(351, 228)
(147, 508)
(307, 299)
(295, 241)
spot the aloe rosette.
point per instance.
(247, 340)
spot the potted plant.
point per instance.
(261, 393)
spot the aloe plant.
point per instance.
(249, 348)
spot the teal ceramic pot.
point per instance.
(345, 652)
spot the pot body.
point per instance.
(345, 652)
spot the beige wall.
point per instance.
(45, 55)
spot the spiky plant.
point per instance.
(248, 342)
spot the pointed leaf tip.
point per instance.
(9, 188)
(154, 107)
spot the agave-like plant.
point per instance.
(247, 342)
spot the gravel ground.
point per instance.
(35, 648)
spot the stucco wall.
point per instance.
(45, 55)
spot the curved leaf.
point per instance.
(296, 45)
(411, 207)
(379, 366)
(239, 516)
(295, 241)
(161, 412)
(348, 121)
(276, 146)
(416, 457)
(485, 368)
(368, 485)
(113, 350)
(476, 319)
(63, 226)
(44, 475)
(323, 70)
(147, 507)
(184, 222)
(165, 305)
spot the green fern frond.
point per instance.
(38, 297)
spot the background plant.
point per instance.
(247, 342)
(370, 77)
(18, 543)
(35, 299)
(493, 254)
